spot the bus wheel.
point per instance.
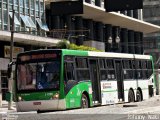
(138, 96)
(130, 96)
(84, 101)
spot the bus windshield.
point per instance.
(38, 75)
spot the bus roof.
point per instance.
(89, 53)
(104, 54)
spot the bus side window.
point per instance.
(138, 69)
(69, 77)
(82, 69)
(111, 69)
(103, 69)
(69, 71)
(127, 69)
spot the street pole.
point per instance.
(10, 81)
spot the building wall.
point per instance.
(151, 14)
(78, 30)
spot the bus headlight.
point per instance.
(55, 96)
(19, 98)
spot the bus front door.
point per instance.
(96, 93)
(120, 85)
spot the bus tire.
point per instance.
(130, 96)
(84, 101)
(138, 96)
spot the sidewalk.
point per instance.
(4, 108)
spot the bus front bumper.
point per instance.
(42, 105)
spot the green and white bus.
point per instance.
(62, 79)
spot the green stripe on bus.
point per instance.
(124, 90)
(74, 52)
(110, 91)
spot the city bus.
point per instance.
(60, 79)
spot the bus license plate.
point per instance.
(36, 103)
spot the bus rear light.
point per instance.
(55, 96)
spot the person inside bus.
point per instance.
(42, 82)
(42, 77)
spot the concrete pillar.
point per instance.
(98, 3)
(107, 35)
(88, 1)
(90, 27)
(56, 22)
(115, 33)
(141, 42)
(79, 26)
(124, 40)
(137, 43)
(56, 25)
(140, 14)
(68, 23)
(62, 22)
(131, 41)
(130, 13)
(135, 14)
(72, 40)
(123, 12)
(99, 33)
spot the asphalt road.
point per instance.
(145, 110)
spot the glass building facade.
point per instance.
(29, 15)
(151, 14)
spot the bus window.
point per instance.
(81, 63)
(111, 70)
(69, 79)
(26, 76)
(83, 75)
(82, 69)
(138, 64)
(69, 71)
(103, 69)
(138, 69)
(127, 69)
(110, 63)
(103, 74)
(35, 76)
(48, 75)
(102, 63)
